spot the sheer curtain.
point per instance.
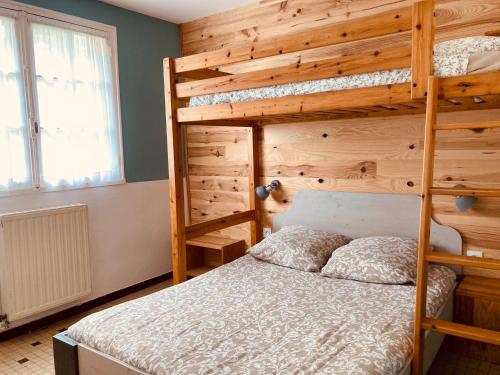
(15, 169)
(79, 136)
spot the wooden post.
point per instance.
(425, 225)
(253, 181)
(177, 219)
(422, 65)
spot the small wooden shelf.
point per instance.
(207, 252)
(197, 271)
(211, 241)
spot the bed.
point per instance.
(255, 317)
(452, 58)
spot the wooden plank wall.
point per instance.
(218, 174)
(366, 155)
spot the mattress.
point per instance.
(252, 317)
(451, 58)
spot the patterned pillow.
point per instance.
(386, 260)
(298, 247)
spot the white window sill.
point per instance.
(7, 194)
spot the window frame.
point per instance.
(25, 14)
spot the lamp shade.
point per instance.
(464, 202)
(261, 192)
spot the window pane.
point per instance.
(15, 170)
(76, 103)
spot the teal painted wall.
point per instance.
(143, 42)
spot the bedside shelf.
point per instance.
(477, 303)
(480, 287)
(197, 271)
(207, 252)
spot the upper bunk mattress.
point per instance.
(252, 317)
(452, 58)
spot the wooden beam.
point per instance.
(469, 125)
(231, 123)
(176, 190)
(468, 104)
(205, 227)
(202, 74)
(460, 330)
(462, 260)
(469, 85)
(253, 181)
(298, 104)
(370, 61)
(422, 47)
(492, 193)
(394, 21)
(425, 225)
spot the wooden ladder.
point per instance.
(425, 256)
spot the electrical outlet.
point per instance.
(266, 232)
(474, 253)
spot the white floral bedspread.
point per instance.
(252, 317)
(450, 59)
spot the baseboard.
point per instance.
(74, 310)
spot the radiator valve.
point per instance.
(4, 322)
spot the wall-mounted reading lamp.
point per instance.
(263, 191)
(464, 202)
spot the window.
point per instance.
(15, 171)
(59, 119)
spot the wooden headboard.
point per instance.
(365, 214)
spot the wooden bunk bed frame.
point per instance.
(202, 74)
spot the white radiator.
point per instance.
(44, 260)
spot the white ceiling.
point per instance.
(179, 11)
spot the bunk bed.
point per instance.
(202, 75)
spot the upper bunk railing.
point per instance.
(394, 21)
(202, 73)
(418, 18)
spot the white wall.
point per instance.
(129, 231)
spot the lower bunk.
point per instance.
(256, 317)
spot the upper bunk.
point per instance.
(244, 74)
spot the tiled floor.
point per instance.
(31, 354)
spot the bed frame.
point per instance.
(73, 358)
(353, 214)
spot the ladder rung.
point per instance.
(469, 125)
(461, 330)
(470, 192)
(462, 260)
